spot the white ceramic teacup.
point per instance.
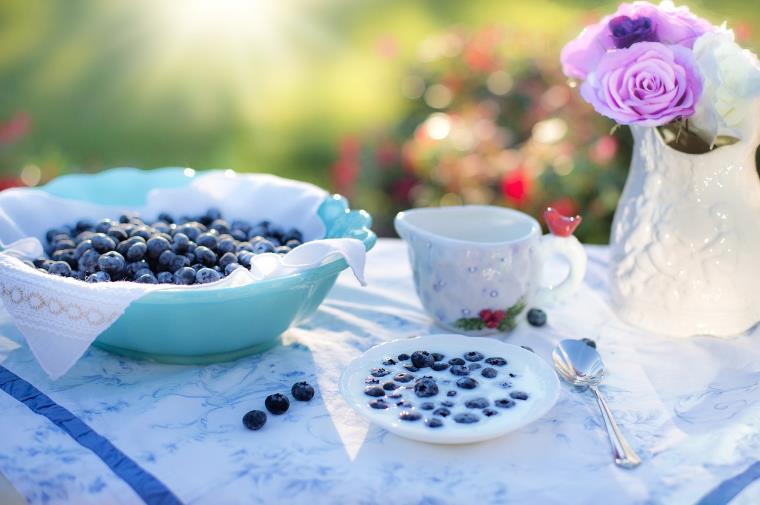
(476, 268)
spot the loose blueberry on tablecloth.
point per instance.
(278, 404)
(536, 317)
(188, 250)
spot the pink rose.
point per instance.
(648, 84)
(632, 23)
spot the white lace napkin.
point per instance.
(61, 317)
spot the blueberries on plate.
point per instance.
(496, 361)
(425, 387)
(422, 359)
(379, 404)
(390, 386)
(459, 370)
(403, 377)
(379, 372)
(427, 406)
(490, 412)
(374, 391)
(442, 412)
(473, 356)
(504, 403)
(410, 415)
(451, 393)
(410, 367)
(456, 361)
(437, 356)
(302, 391)
(254, 420)
(403, 357)
(433, 422)
(536, 317)
(389, 361)
(132, 249)
(519, 395)
(467, 383)
(439, 366)
(278, 403)
(466, 418)
(489, 373)
(476, 403)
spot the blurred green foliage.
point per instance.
(253, 85)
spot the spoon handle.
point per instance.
(625, 456)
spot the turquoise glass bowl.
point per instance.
(210, 325)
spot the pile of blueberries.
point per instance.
(277, 404)
(186, 250)
(463, 370)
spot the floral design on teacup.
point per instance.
(503, 320)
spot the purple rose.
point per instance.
(632, 23)
(648, 84)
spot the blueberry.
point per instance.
(476, 403)
(371, 380)
(490, 412)
(519, 395)
(504, 403)
(437, 356)
(473, 356)
(263, 246)
(439, 366)
(136, 251)
(147, 279)
(84, 245)
(141, 231)
(379, 372)
(254, 420)
(410, 368)
(41, 263)
(403, 377)
(60, 268)
(403, 357)
(191, 230)
(177, 262)
(180, 243)
(292, 234)
(467, 383)
(157, 245)
(459, 370)
(84, 225)
(466, 418)
(302, 391)
(166, 278)
(451, 393)
(67, 255)
(527, 348)
(207, 275)
(239, 224)
(118, 233)
(166, 258)
(226, 259)
(165, 217)
(513, 375)
(425, 388)
(496, 361)
(277, 403)
(281, 249)
(244, 258)
(433, 423)
(389, 361)
(390, 386)
(379, 404)
(422, 359)
(205, 256)
(410, 415)
(102, 243)
(133, 268)
(226, 245)
(589, 342)
(394, 395)
(207, 240)
(536, 317)
(489, 373)
(447, 403)
(220, 225)
(231, 268)
(98, 277)
(293, 243)
(456, 361)
(442, 412)
(112, 263)
(427, 405)
(374, 391)
(506, 385)
(103, 225)
(474, 366)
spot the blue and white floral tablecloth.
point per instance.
(690, 407)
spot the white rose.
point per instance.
(731, 82)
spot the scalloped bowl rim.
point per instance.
(329, 267)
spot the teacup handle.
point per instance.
(573, 252)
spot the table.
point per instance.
(690, 407)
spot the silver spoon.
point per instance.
(580, 365)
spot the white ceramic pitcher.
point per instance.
(685, 242)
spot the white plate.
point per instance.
(533, 376)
